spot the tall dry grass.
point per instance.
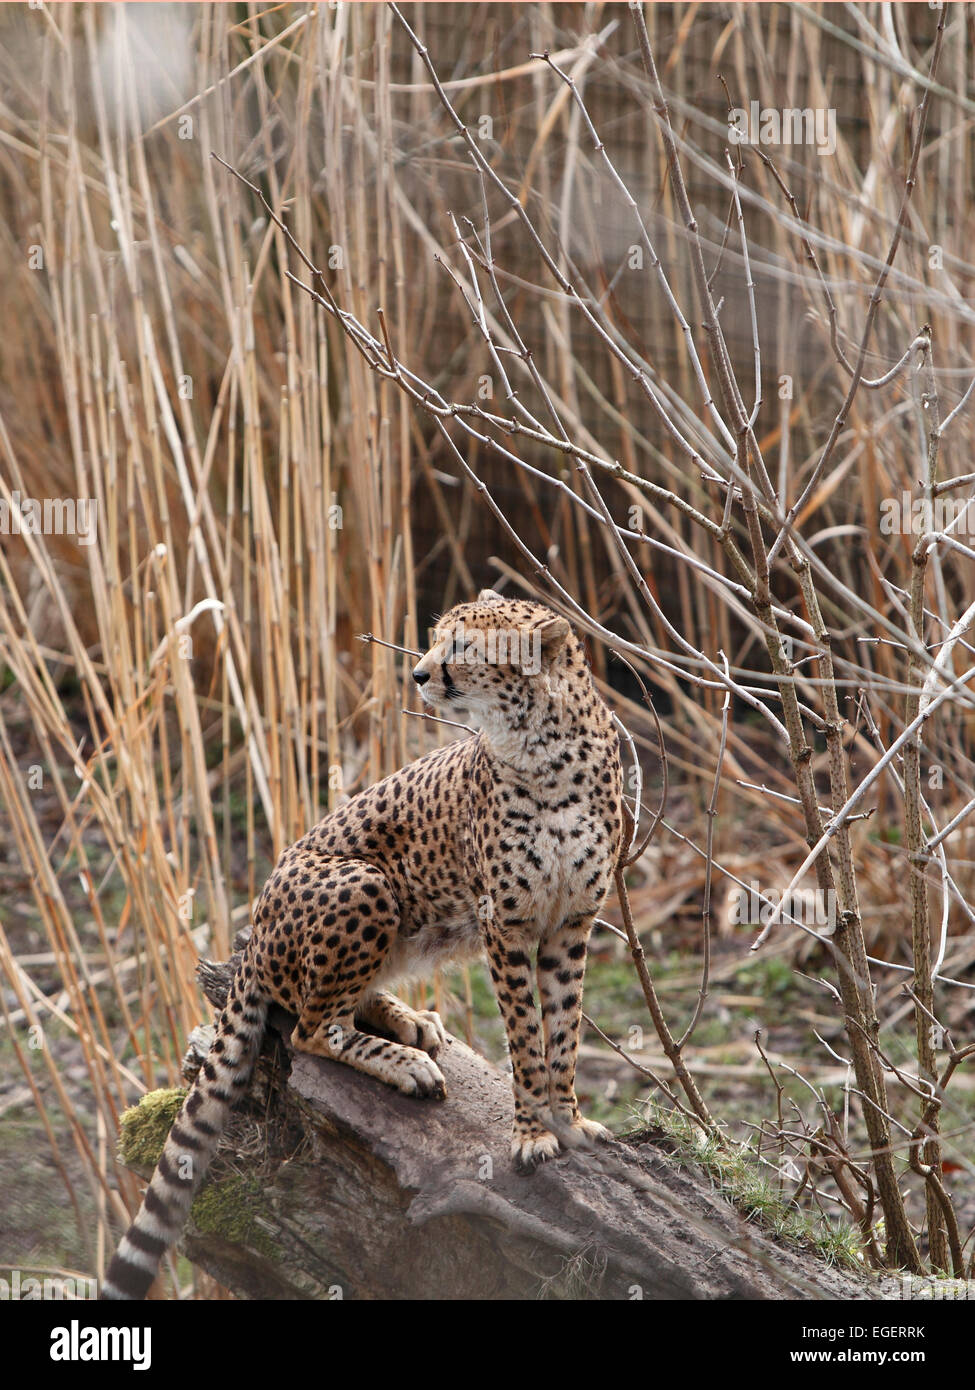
(189, 692)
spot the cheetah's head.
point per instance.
(492, 661)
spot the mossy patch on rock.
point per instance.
(226, 1207)
(229, 1208)
(145, 1127)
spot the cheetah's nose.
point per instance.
(421, 677)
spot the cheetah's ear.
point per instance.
(552, 634)
(489, 596)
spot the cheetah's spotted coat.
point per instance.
(500, 843)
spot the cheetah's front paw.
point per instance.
(528, 1151)
(591, 1129)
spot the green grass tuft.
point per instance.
(735, 1174)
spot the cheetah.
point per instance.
(503, 843)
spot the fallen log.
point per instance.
(331, 1185)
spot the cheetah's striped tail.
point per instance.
(192, 1141)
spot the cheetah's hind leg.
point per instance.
(349, 924)
(408, 1069)
(384, 1013)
